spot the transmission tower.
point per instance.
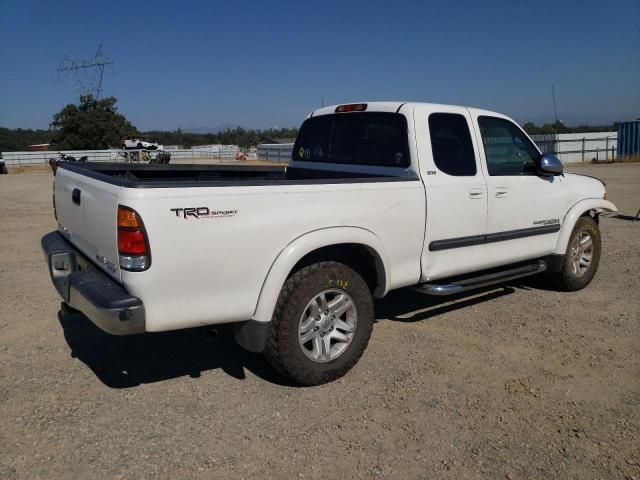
(86, 75)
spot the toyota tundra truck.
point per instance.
(376, 196)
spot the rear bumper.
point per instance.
(86, 288)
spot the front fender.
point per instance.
(574, 213)
(307, 243)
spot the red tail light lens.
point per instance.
(133, 244)
(351, 107)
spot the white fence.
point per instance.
(568, 147)
(39, 158)
(216, 148)
(580, 147)
(275, 152)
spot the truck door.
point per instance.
(456, 191)
(524, 208)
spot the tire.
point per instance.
(581, 258)
(297, 307)
(163, 157)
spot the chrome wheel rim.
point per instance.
(581, 253)
(327, 325)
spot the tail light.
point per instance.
(133, 244)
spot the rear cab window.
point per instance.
(358, 138)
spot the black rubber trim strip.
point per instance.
(456, 242)
(459, 242)
(401, 105)
(93, 171)
(521, 233)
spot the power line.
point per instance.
(92, 69)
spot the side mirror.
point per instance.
(549, 165)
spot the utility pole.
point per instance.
(555, 110)
(92, 68)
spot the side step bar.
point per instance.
(481, 280)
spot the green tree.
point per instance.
(91, 125)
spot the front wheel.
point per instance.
(321, 325)
(581, 258)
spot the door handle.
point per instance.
(501, 192)
(475, 193)
(75, 196)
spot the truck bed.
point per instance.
(172, 176)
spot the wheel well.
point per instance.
(595, 214)
(359, 257)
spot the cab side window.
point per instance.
(451, 144)
(508, 151)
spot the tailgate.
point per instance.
(87, 211)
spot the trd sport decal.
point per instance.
(202, 212)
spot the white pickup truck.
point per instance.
(377, 196)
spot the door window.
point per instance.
(507, 149)
(451, 144)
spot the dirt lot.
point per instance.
(514, 382)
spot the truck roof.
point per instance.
(394, 106)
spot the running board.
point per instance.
(481, 280)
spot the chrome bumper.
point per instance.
(86, 288)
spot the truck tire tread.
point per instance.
(565, 279)
(282, 355)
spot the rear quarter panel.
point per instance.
(211, 270)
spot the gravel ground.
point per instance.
(515, 382)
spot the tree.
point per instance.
(530, 128)
(91, 125)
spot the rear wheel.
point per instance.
(321, 325)
(582, 256)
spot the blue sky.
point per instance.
(262, 64)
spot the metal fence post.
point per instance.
(583, 140)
